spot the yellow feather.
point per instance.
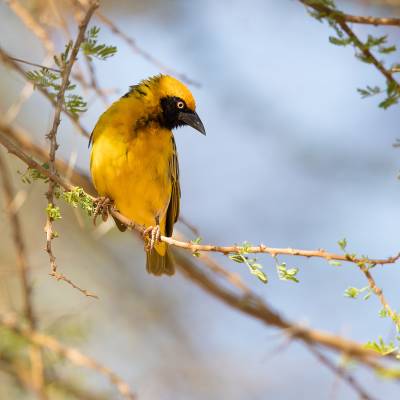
(134, 161)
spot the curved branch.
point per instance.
(248, 303)
(342, 19)
(355, 19)
(52, 137)
(12, 148)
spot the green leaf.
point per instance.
(53, 212)
(75, 104)
(237, 258)
(79, 198)
(32, 174)
(51, 82)
(260, 275)
(197, 240)
(374, 41)
(381, 347)
(387, 50)
(352, 292)
(369, 91)
(287, 274)
(254, 267)
(335, 263)
(339, 41)
(383, 313)
(388, 102)
(368, 295)
(342, 244)
(91, 48)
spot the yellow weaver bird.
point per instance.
(134, 161)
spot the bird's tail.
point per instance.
(159, 261)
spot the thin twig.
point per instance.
(93, 81)
(356, 19)
(52, 137)
(143, 53)
(340, 19)
(22, 140)
(257, 308)
(28, 20)
(273, 251)
(14, 149)
(36, 358)
(340, 372)
(41, 33)
(247, 303)
(379, 66)
(379, 293)
(7, 60)
(34, 64)
(25, 93)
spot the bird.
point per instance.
(134, 161)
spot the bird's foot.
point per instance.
(103, 205)
(152, 236)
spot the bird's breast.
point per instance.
(135, 173)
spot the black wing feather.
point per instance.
(174, 203)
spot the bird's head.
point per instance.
(171, 100)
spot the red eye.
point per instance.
(180, 105)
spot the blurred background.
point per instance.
(292, 158)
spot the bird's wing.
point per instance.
(173, 208)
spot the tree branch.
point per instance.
(52, 136)
(342, 19)
(341, 373)
(273, 251)
(356, 19)
(36, 359)
(73, 355)
(6, 59)
(249, 303)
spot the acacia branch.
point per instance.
(256, 307)
(356, 19)
(23, 141)
(342, 20)
(7, 60)
(379, 293)
(40, 32)
(273, 251)
(341, 372)
(14, 149)
(52, 135)
(247, 303)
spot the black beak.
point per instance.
(193, 120)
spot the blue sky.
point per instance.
(293, 158)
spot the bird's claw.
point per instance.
(103, 205)
(152, 235)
